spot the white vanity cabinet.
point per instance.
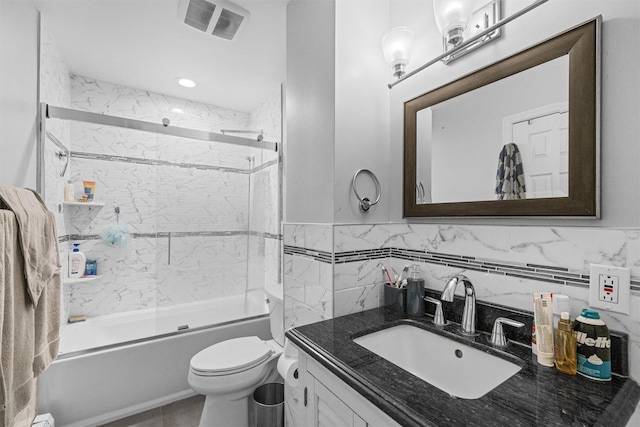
(326, 401)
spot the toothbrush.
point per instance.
(388, 275)
(405, 268)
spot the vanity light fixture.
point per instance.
(478, 37)
(184, 82)
(396, 46)
(452, 18)
(457, 23)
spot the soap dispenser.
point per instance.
(415, 293)
(566, 346)
(77, 262)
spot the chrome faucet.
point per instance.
(468, 325)
(497, 334)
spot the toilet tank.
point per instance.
(274, 293)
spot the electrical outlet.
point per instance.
(609, 288)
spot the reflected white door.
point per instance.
(543, 144)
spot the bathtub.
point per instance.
(110, 367)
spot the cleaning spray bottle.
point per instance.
(415, 293)
(77, 262)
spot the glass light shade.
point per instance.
(396, 46)
(452, 18)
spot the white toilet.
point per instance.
(227, 373)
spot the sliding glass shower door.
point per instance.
(202, 218)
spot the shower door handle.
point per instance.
(169, 248)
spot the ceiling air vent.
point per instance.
(199, 14)
(220, 18)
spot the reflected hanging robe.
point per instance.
(510, 175)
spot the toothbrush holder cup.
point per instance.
(395, 298)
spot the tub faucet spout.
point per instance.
(469, 313)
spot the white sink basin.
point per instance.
(455, 368)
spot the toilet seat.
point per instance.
(230, 357)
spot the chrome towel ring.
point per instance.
(365, 202)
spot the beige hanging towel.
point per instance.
(29, 300)
(37, 237)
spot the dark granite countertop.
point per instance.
(535, 396)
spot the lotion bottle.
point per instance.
(566, 346)
(77, 262)
(415, 293)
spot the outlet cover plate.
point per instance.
(610, 288)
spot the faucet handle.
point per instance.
(438, 317)
(497, 335)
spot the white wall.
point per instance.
(310, 120)
(18, 92)
(337, 110)
(361, 108)
(620, 90)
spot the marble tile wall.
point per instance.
(308, 274)
(505, 264)
(54, 89)
(186, 202)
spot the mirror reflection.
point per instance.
(505, 140)
(519, 137)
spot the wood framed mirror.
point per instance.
(519, 137)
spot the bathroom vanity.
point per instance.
(343, 383)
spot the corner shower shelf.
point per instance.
(68, 280)
(83, 204)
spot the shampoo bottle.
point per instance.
(69, 192)
(566, 346)
(77, 262)
(415, 293)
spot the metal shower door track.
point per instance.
(53, 112)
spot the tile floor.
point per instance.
(183, 413)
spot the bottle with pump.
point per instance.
(415, 293)
(566, 346)
(69, 192)
(77, 262)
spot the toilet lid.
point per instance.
(228, 357)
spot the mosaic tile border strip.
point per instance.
(546, 273)
(557, 275)
(321, 256)
(164, 234)
(362, 255)
(155, 162)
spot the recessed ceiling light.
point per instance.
(177, 110)
(186, 82)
